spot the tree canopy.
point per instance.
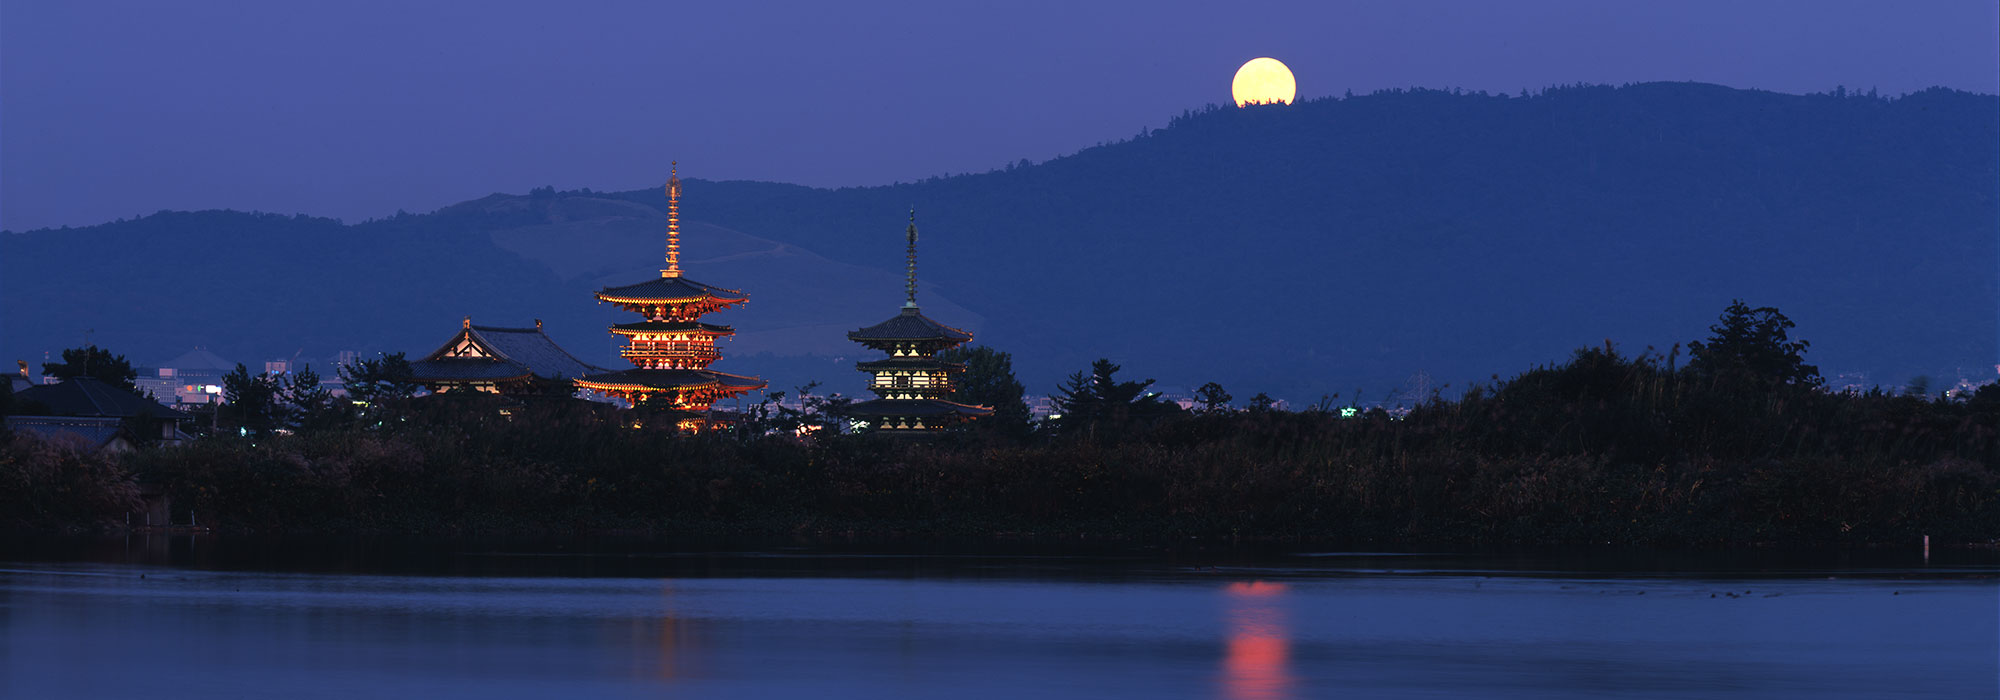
(1100, 403)
(96, 363)
(1753, 346)
(989, 381)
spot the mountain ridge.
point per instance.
(1346, 242)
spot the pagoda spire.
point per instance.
(673, 222)
(910, 284)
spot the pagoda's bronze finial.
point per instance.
(910, 285)
(673, 222)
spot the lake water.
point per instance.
(209, 618)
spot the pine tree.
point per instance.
(96, 363)
(1752, 346)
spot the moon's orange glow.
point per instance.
(1263, 81)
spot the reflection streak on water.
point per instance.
(1257, 665)
(1450, 628)
(669, 634)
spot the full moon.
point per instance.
(1263, 81)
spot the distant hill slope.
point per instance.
(1299, 250)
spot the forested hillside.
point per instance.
(1317, 248)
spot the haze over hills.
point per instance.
(1304, 250)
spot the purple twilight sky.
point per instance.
(358, 108)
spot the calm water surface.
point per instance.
(167, 618)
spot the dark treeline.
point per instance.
(1735, 443)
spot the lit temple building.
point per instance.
(671, 349)
(500, 361)
(913, 387)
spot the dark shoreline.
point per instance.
(1604, 450)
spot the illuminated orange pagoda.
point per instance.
(914, 387)
(671, 349)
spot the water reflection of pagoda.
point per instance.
(671, 349)
(914, 386)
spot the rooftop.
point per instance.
(669, 290)
(672, 379)
(85, 396)
(513, 353)
(916, 408)
(909, 325)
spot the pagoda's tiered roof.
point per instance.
(909, 325)
(895, 363)
(915, 408)
(670, 290)
(663, 379)
(672, 327)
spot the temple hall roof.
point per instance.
(909, 325)
(511, 353)
(468, 369)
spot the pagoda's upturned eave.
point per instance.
(670, 290)
(910, 325)
(671, 327)
(910, 363)
(719, 302)
(669, 380)
(914, 408)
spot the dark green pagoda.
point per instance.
(913, 388)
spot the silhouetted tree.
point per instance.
(96, 363)
(1103, 404)
(1753, 346)
(309, 405)
(1212, 398)
(251, 402)
(381, 384)
(1920, 387)
(989, 381)
(6, 406)
(814, 410)
(1262, 403)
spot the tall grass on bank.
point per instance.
(1602, 449)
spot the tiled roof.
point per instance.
(909, 325)
(200, 360)
(467, 369)
(670, 289)
(516, 353)
(674, 378)
(910, 363)
(672, 327)
(919, 408)
(85, 396)
(533, 349)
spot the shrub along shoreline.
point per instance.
(1602, 450)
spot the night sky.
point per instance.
(357, 109)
